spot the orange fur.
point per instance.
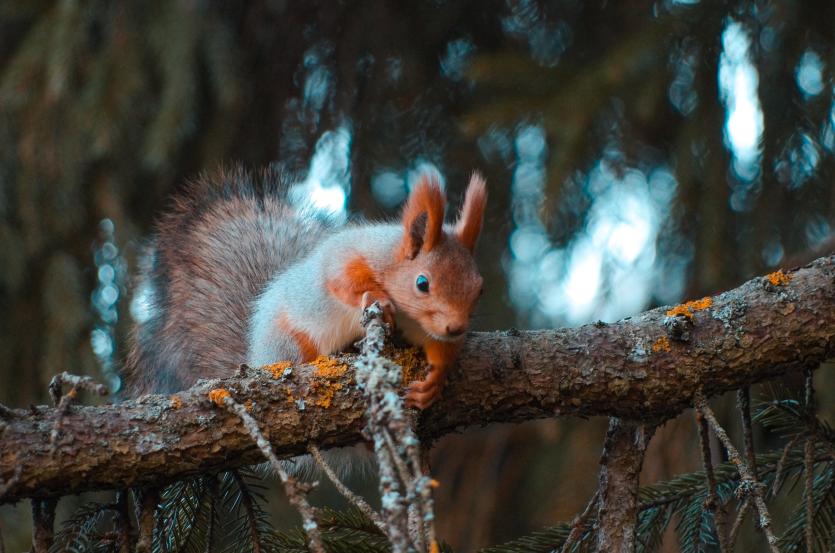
(307, 348)
(423, 218)
(356, 278)
(470, 221)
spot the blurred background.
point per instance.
(637, 153)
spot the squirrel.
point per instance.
(236, 274)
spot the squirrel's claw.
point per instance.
(422, 399)
(423, 393)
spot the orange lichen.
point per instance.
(687, 309)
(176, 402)
(326, 394)
(434, 484)
(218, 396)
(434, 548)
(277, 369)
(778, 278)
(661, 344)
(411, 360)
(248, 405)
(328, 367)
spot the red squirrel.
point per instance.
(235, 274)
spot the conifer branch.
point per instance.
(638, 369)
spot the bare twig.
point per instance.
(63, 402)
(211, 485)
(749, 486)
(579, 523)
(809, 473)
(352, 498)
(808, 460)
(740, 518)
(778, 472)
(743, 396)
(296, 491)
(147, 500)
(76, 382)
(712, 502)
(407, 509)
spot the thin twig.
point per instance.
(212, 487)
(407, 510)
(579, 523)
(405, 487)
(809, 473)
(63, 402)
(76, 382)
(296, 491)
(352, 498)
(749, 484)
(740, 518)
(147, 500)
(778, 472)
(743, 396)
(712, 502)
(808, 460)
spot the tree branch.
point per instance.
(647, 367)
(623, 456)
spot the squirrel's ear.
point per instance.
(423, 217)
(468, 226)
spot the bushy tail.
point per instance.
(224, 238)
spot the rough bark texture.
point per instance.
(623, 455)
(647, 367)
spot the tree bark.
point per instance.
(643, 368)
(623, 455)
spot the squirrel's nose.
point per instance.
(456, 330)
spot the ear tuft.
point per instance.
(469, 222)
(423, 217)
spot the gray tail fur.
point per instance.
(226, 235)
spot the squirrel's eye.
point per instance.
(422, 284)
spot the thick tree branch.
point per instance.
(647, 367)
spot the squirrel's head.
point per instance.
(436, 281)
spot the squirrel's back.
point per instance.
(212, 254)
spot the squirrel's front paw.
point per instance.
(423, 393)
(385, 303)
